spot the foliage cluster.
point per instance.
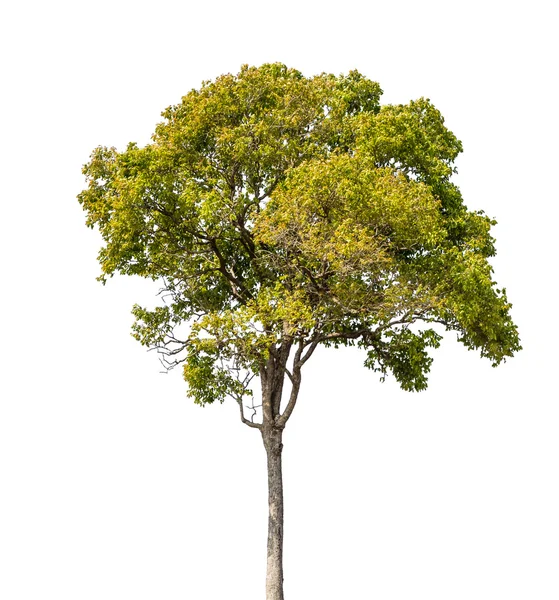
(283, 212)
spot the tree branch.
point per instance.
(311, 348)
(279, 371)
(282, 419)
(245, 420)
(235, 283)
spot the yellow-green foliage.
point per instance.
(277, 207)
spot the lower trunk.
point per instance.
(274, 568)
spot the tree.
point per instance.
(280, 213)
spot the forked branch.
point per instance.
(244, 419)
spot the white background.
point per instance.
(114, 486)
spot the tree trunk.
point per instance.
(274, 568)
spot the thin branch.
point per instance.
(235, 283)
(282, 419)
(246, 421)
(253, 408)
(279, 369)
(288, 373)
(339, 335)
(311, 348)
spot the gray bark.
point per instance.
(272, 437)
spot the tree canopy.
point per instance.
(283, 212)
